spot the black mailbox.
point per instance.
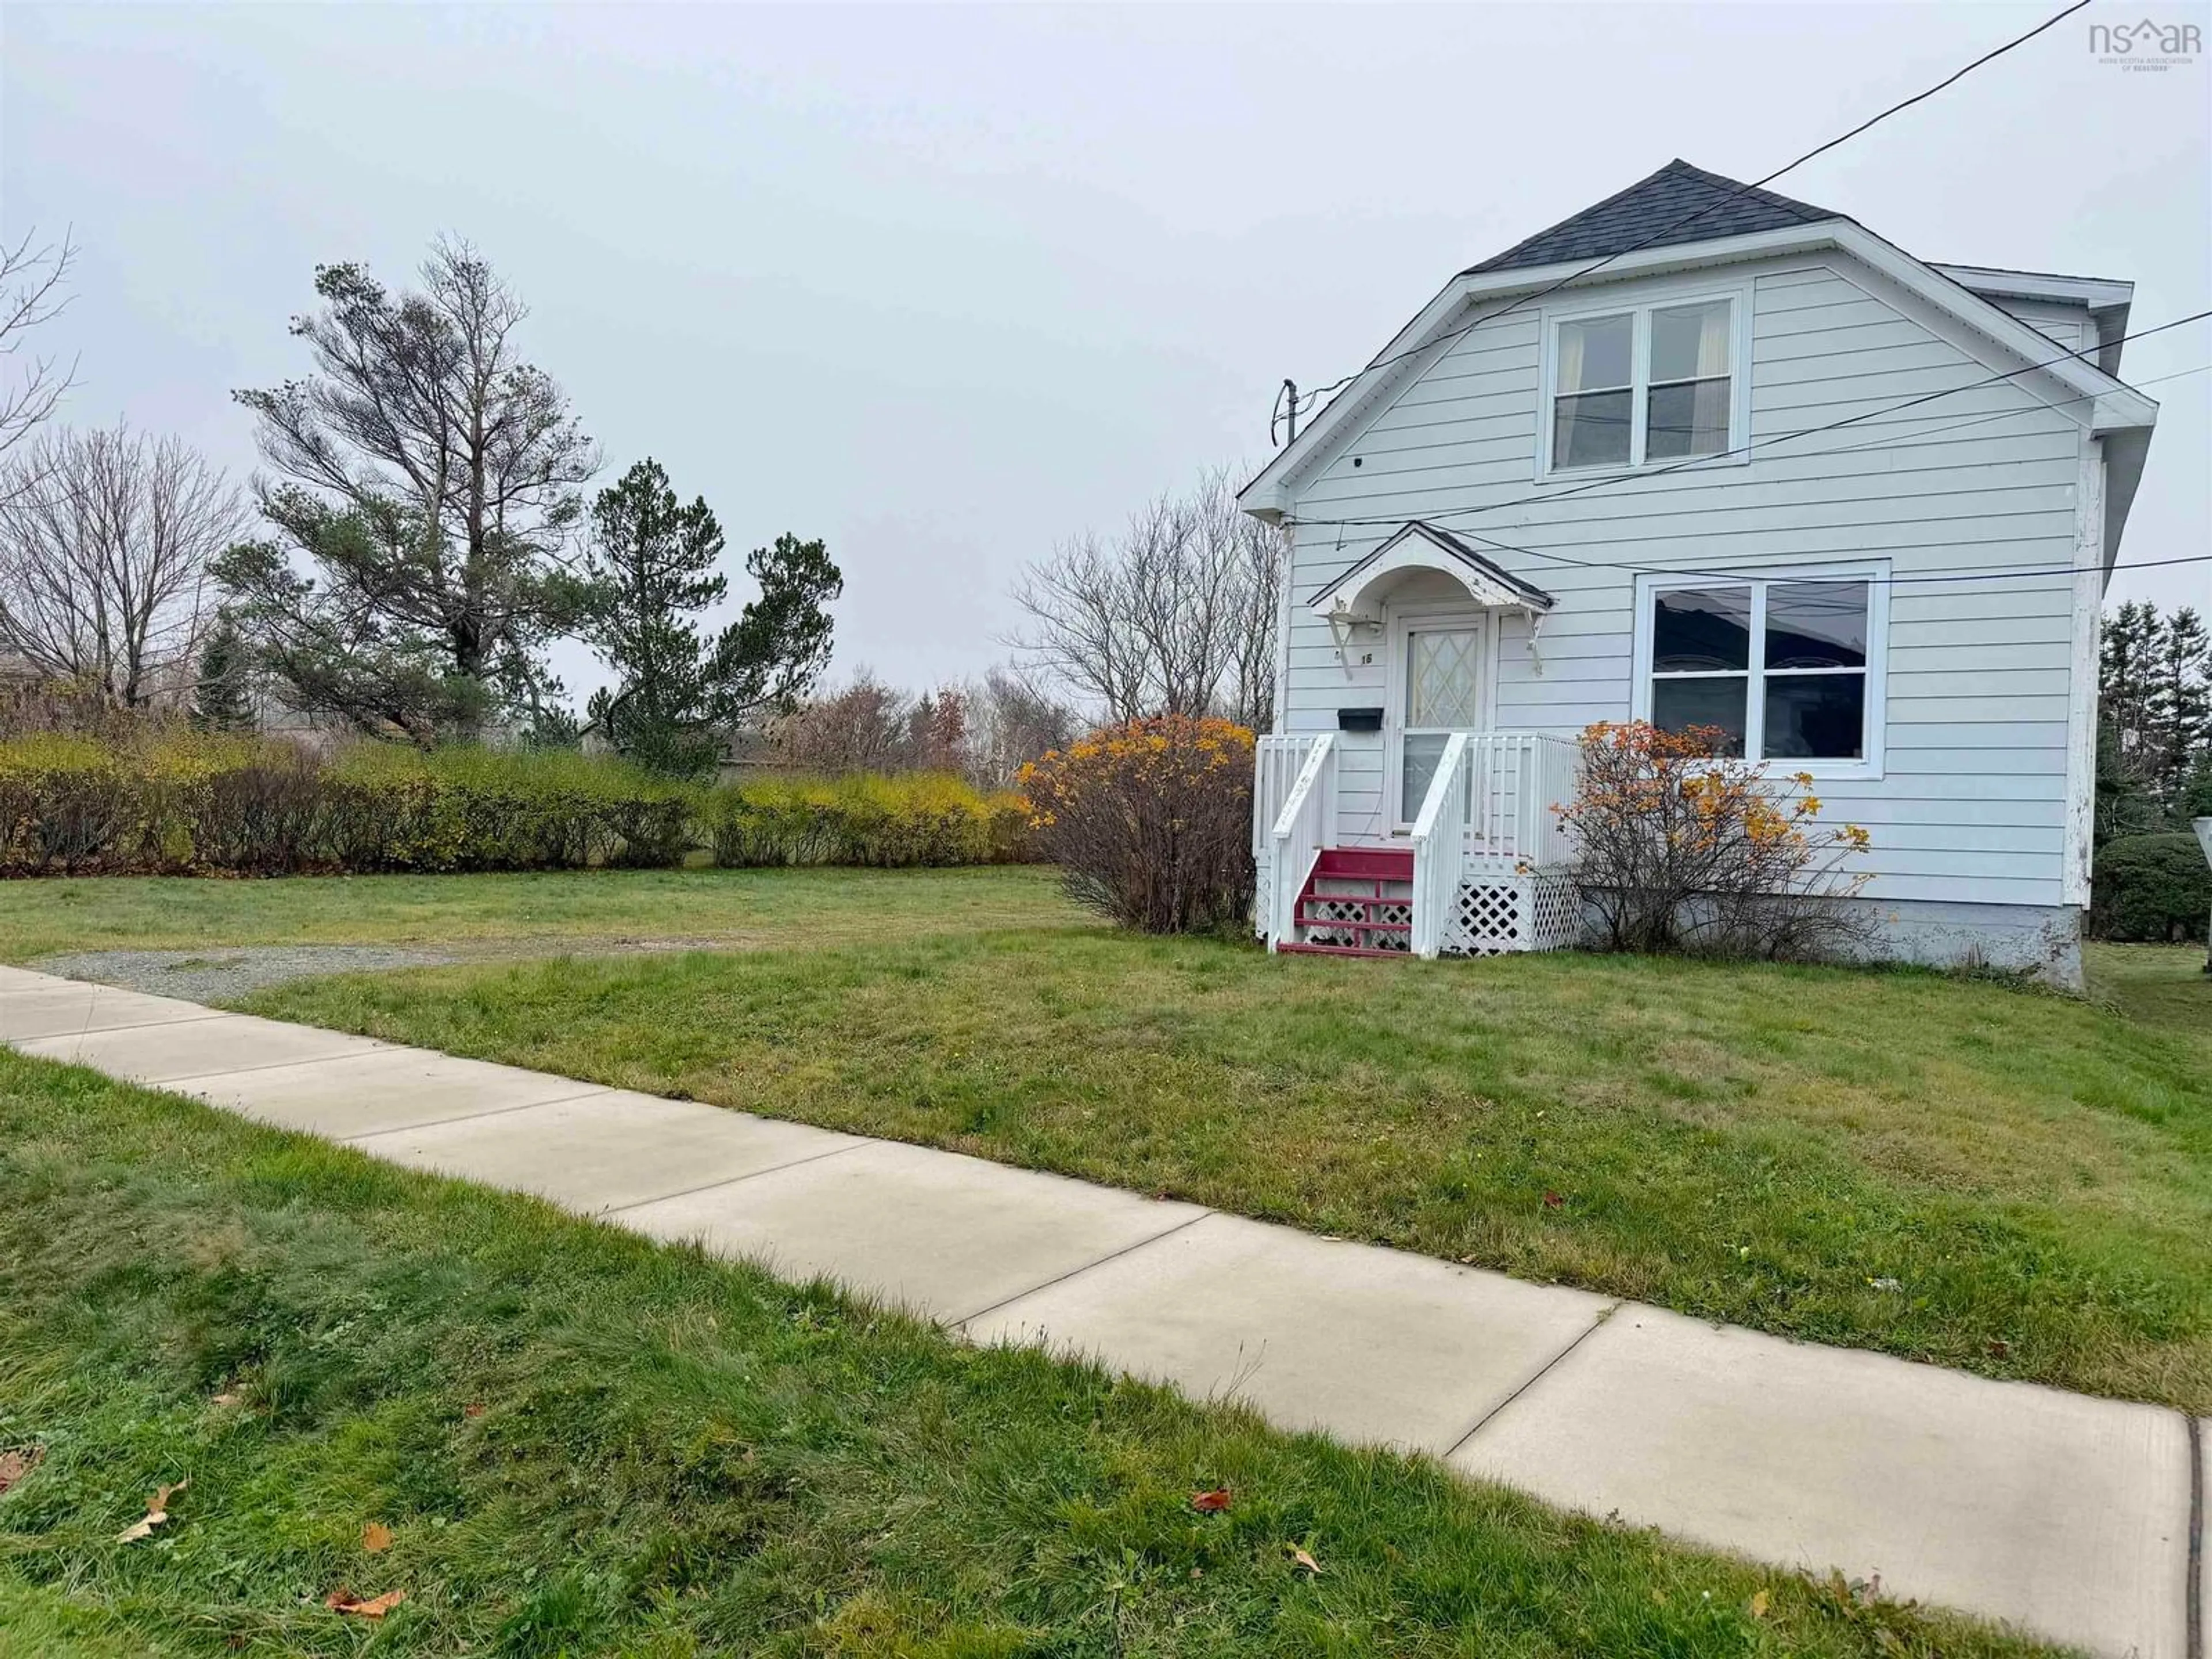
(1359, 719)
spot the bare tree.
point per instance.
(984, 731)
(864, 728)
(1261, 556)
(431, 474)
(1176, 616)
(1013, 723)
(104, 542)
(30, 293)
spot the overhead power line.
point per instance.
(1614, 480)
(1925, 432)
(1954, 574)
(1307, 399)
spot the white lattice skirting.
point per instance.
(1324, 908)
(1498, 914)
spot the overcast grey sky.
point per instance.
(947, 285)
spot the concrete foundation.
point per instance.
(2044, 941)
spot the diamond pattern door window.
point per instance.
(1443, 695)
(1442, 689)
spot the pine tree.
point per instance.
(2132, 639)
(222, 699)
(650, 571)
(2127, 801)
(2124, 804)
(2196, 789)
(431, 477)
(2179, 712)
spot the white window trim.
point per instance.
(1875, 574)
(1738, 296)
(1406, 619)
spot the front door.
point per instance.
(1440, 692)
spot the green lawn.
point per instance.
(555, 910)
(579, 1443)
(2002, 1181)
(2156, 984)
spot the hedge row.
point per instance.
(2150, 887)
(196, 804)
(908, 819)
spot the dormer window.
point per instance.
(1643, 385)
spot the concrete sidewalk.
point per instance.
(2068, 1516)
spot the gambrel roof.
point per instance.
(1650, 213)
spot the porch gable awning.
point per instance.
(1359, 593)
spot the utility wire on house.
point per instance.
(1921, 433)
(1958, 573)
(1918, 435)
(1614, 480)
(1963, 574)
(1303, 403)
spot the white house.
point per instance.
(1570, 491)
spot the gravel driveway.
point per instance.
(219, 974)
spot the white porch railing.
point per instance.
(1439, 847)
(1487, 816)
(1302, 826)
(1513, 780)
(1276, 761)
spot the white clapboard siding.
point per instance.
(1971, 804)
(1879, 804)
(2069, 325)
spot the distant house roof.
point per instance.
(1647, 213)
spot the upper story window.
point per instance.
(1645, 384)
(1789, 667)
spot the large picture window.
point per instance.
(1644, 384)
(1788, 668)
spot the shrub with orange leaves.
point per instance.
(1150, 822)
(1682, 847)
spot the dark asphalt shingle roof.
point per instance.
(1647, 213)
(1444, 541)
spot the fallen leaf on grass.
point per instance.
(15, 1465)
(1759, 1600)
(1299, 1558)
(344, 1601)
(375, 1537)
(1211, 1503)
(157, 1511)
(1552, 1201)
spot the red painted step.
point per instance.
(1366, 863)
(1357, 929)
